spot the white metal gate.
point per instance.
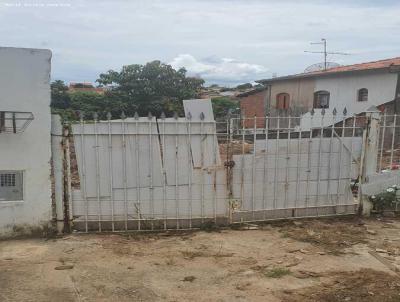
(287, 169)
(147, 173)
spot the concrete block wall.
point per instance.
(25, 86)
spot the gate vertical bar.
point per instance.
(202, 116)
(285, 204)
(353, 132)
(242, 163)
(253, 166)
(309, 162)
(265, 173)
(176, 171)
(340, 155)
(97, 160)
(124, 176)
(190, 163)
(83, 180)
(137, 157)
(215, 146)
(164, 171)
(151, 189)
(319, 159)
(110, 168)
(330, 156)
(298, 175)
(276, 162)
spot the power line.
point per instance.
(325, 52)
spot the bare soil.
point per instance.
(332, 235)
(315, 260)
(365, 285)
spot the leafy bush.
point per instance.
(386, 200)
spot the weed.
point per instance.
(277, 272)
(192, 254)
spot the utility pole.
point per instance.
(325, 52)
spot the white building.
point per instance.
(25, 149)
(354, 87)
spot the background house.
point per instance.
(253, 103)
(85, 87)
(354, 87)
(25, 150)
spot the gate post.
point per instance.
(67, 186)
(57, 156)
(370, 158)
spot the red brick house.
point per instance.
(252, 103)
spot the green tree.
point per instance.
(89, 102)
(59, 95)
(244, 86)
(222, 106)
(153, 87)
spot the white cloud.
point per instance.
(219, 70)
(93, 36)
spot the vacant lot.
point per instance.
(324, 260)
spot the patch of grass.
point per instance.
(277, 272)
(187, 254)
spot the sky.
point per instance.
(224, 42)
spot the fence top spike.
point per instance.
(109, 115)
(334, 112)
(202, 116)
(189, 116)
(175, 115)
(163, 116)
(123, 116)
(345, 111)
(323, 111)
(312, 111)
(149, 115)
(95, 116)
(136, 115)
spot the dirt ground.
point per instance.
(315, 260)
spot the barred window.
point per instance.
(363, 95)
(7, 180)
(321, 99)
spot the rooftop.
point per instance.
(393, 63)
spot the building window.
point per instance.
(7, 180)
(363, 95)
(2, 121)
(11, 185)
(321, 99)
(282, 100)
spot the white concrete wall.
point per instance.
(24, 86)
(344, 90)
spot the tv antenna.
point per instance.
(325, 52)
